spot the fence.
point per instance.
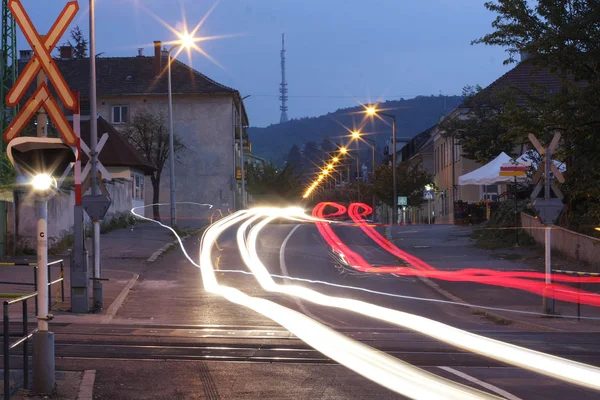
(24, 336)
(579, 273)
(35, 283)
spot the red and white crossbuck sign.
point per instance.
(42, 60)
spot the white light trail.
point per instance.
(557, 367)
(369, 362)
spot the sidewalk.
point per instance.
(449, 247)
(123, 253)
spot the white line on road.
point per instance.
(486, 385)
(284, 271)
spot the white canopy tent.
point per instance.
(489, 174)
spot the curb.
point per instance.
(111, 311)
(86, 388)
(169, 246)
(496, 318)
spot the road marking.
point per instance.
(86, 388)
(486, 385)
(284, 271)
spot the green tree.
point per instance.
(562, 37)
(273, 185)
(79, 43)
(411, 183)
(148, 133)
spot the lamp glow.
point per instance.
(42, 182)
(371, 110)
(343, 150)
(355, 134)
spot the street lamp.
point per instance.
(356, 136)
(186, 41)
(372, 111)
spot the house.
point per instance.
(449, 163)
(205, 118)
(128, 169)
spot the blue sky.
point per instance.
(339, 52)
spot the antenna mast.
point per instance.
(283, 85)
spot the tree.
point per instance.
(295, 158)
(481, 134)
(148, 133)
(273, 185)
(411, 183)
(79, 44)
(563, 37)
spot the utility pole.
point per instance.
(98, 302)
(241, 124)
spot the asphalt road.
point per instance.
(174, 339)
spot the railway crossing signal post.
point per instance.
(44, 163)
(548, 209)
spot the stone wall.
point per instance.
(572, 244)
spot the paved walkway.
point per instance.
(449, 247)
(124, 252)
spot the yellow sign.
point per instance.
(512, 173)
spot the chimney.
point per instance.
(67, 52)
(140, 51)
(524, 55)
(165, 52)
(25, 55)
(157, 58)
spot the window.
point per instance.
(120, 114)
(137, 187)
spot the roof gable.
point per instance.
(117, 152)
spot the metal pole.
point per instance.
(97, 285)
(548, 307)
(43, 340)
(516, 212)
(6, 354)
(25, 347)
(242, 151)
(171, 145)
(358, 169)
(429, 211)
(394, 177)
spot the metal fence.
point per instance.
(22, 337)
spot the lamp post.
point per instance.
(372, 110)
(187, 42)
(243, 177)
(428, 187)
(356, 136)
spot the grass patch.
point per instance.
(62, 245)
(118, 221)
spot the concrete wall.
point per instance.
(204, 170)
(60, 214)
(575, 245)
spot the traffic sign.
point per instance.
(96, 206)
(50, 41)
(86, 170)
(42, 52)
(41, 98)
(548, 210)
(545, 167)
(402, 200)
(428, 194)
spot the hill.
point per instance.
(412, 115)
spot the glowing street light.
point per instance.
(335, 159)
(343, 150)
(372, 111)
(355, 135)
